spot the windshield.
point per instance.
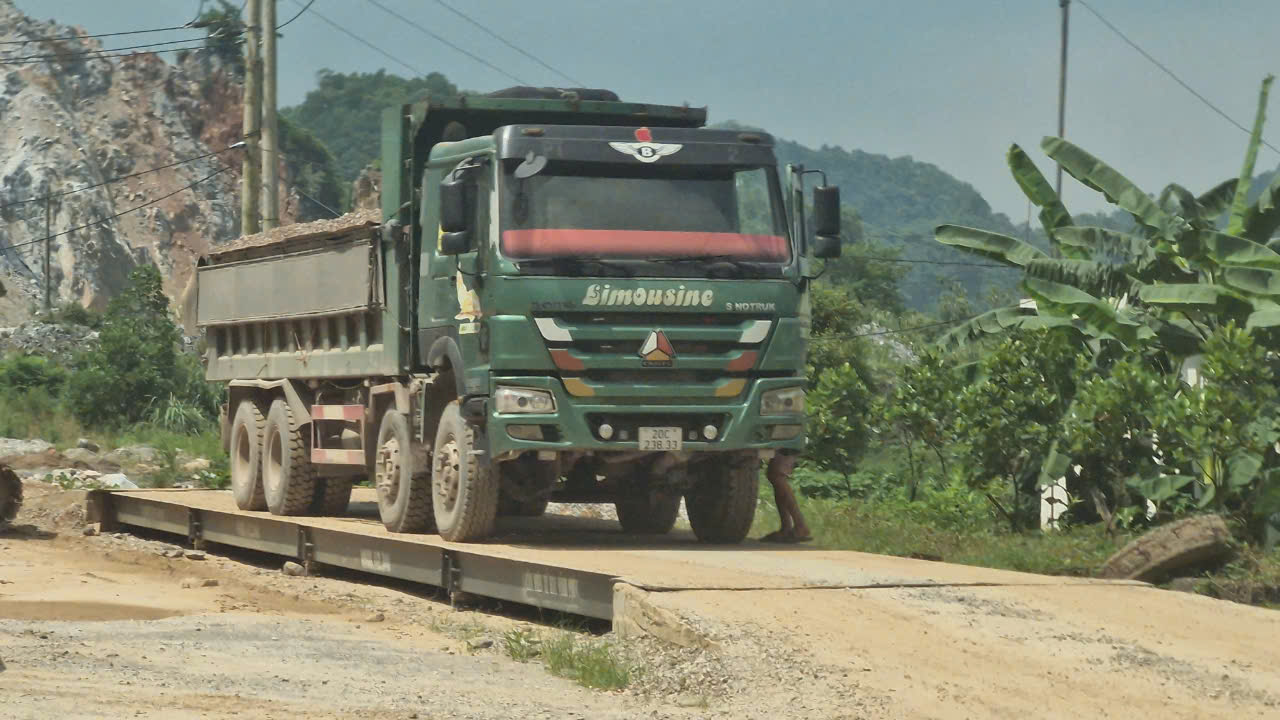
(662, 213)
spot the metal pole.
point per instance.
(270, 140)
(1062, 84)
(48, 253)
(251, 163)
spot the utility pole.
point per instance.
(48, 252)
(251, 179)
(1062, 84)
(270, 140)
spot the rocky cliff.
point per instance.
(71, 120)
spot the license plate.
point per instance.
(661, 438)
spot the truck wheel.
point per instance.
(288, 478)
(246, 456)
(333, 495)
(722, 503)
(401, 477)
(464, 485)
(649, 514)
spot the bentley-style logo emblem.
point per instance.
(645, 149)
(656, 350)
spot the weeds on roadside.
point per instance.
(589, 662)
(521, 645)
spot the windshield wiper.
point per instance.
(712, 260)
(570, 263)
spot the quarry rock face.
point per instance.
(72, 120)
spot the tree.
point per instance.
(137, 363)
(1006, 421)
(224, 31)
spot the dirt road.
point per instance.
(94, 627)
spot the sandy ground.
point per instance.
(107, 626)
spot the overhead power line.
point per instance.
(442, 40)
(295, 17)
(506, 42)
(121, 178)
(102, 56)
(98, 52)
(122, 213)
(881, 258)
(1171, 74)
(877, 333)
(189, 26)
(366, 43)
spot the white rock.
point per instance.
(117, 481)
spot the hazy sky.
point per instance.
(950, 82)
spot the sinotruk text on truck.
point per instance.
(564, 299)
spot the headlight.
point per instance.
(784, 401)
(523, 400)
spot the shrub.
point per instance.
(137, 367)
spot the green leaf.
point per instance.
(1116, 187)
(1216, 201)
(1257, 281)
(1262, 219)
(1263, 319)
(1099, 279)
(1268, 502)
(1227, 249)
(1097, 318)
(1110, 247)
(1242, 468)
(1239, 206)
(988, 244)
(1176, 294)
(1159, 488)
(1053, 214)
(996, 322)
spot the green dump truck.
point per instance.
(564, 298)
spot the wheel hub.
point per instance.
(387, 470)
(448, 472)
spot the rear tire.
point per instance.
(288, 477)
(246, 456)
(649, 514)
(722, 504)
(333, 496)
(463, 483)
(402, 477)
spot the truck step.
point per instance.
(347, 413)
(321, 456)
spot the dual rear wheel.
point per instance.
(271, 465)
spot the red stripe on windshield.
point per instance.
(545, 242)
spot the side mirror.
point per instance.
(826, 247)
(455, 243)
(453, 203)
(826, 210)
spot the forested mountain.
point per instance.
(345, 111)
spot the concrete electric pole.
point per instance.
(251, 178)
(1062, 84)
(270, 139)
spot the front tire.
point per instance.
(401, 477)
(246, 456)
(649, 514)
(463, 483)
(288, 477)
(722, 503)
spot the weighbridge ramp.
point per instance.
(575, 565)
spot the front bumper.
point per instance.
(573, 425)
